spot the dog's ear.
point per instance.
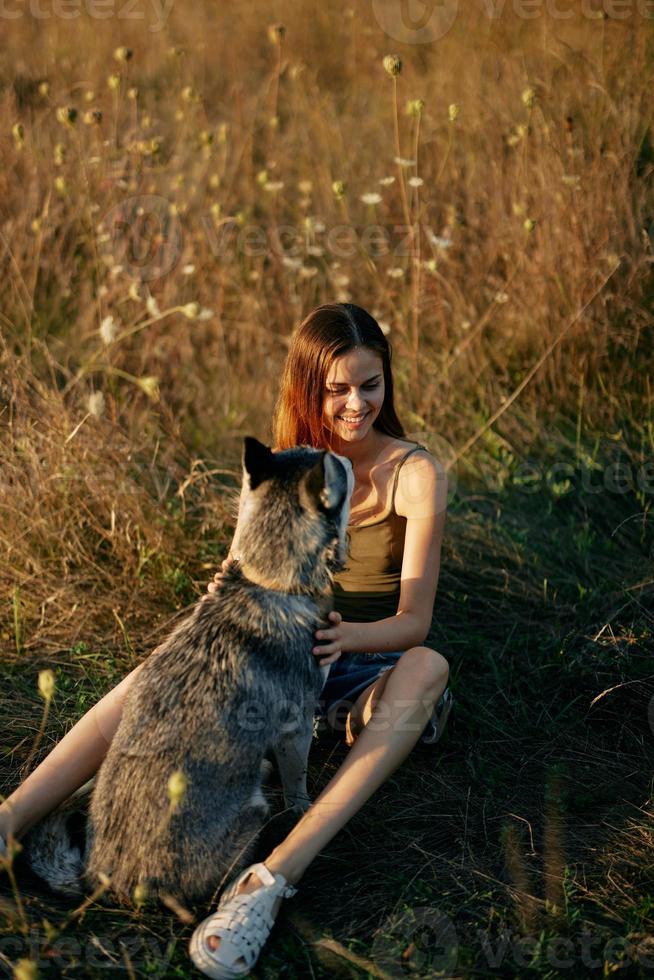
(258, 461)
(322, 485)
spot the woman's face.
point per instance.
(354, 394)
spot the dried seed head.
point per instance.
(453, 111)
(26, 970)
(18, 132)
(177, 785)
(123, 54)
(47, 684)
(59, 154)
(276, 33)
(149, 385)
(191, 310)
(140, 895)
(529, 224)
(338, 187)
(67, 115)
(113, 82)
(392, 64)
(528, 97)
(93, 117)
(414, 107)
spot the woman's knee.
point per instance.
(430, 668)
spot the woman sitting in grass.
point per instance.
(387, 686)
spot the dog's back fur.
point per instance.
(236, 678)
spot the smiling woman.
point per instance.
(337, 393)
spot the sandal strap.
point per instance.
(281, 886)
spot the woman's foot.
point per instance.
(227, 944)
(248, 885)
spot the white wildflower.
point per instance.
(108, 330)
(307, 271)
(371, 198)
(152, 306)
(95, 403)
(404, 162)
(396, 272)
(439, 240)
(188, 270)
(273, 186)
(386, 181)
(415, 181)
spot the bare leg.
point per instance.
(410, 691)
(73, 760)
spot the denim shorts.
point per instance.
(351, 674)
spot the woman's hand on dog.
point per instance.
(335, 635)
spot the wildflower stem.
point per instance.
(416, 266)
(39, 734)
(398, 154)
(16, 609)
(8, 866)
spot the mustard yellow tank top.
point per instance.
(368, 588)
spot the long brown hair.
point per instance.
(329, 331)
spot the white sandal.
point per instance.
(438, 720)
(242, 923)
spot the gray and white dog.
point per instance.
(234, 680)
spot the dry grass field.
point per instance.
(180, 184)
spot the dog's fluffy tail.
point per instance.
(56, 847)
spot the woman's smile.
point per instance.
(354, 421)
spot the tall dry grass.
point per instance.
(509, 260)
(531, 197)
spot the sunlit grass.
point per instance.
(174, 201)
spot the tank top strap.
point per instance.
(397, 470)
